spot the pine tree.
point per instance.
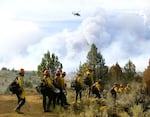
(116, 73)
(96, 61)
(49, 62)
(129, 71)
(146, 78)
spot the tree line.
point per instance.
(96, 62)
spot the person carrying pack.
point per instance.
(79, 86)
(88, 80)
(48, 90)
(96, 88)
(19, 90)
(14, 87)
(114, 91)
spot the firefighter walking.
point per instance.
(21, 93)
(79, 86)
(96, 88)
(88, 80)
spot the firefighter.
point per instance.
(62, 87)
(127, 88)
(56, 82)
(79, 86)
(114, 90)
(121, 88)
(21, 92)
(88, 80)
(56, 78)
(48, 93)
(96, 88)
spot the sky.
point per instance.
(120, 29)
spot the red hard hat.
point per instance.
(57, 72)
(46, 72)
(90, 69)
(79, 74)
(63, 73)
(21, 71)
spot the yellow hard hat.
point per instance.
(87, 72)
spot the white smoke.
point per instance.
(119, 36)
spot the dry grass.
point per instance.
(125, 106)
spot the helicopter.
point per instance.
(76, 13)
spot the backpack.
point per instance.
(73, 84)
(87, 81)
(93, 88)
(41, 87)
(113, 92)
(78, 85)
(14, 87)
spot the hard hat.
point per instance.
(99, 80)
(121, 85)
(87, 72)
(79, 74)
(115, 84)
(57, 72)
(63, 73)
(90, 69)
(46, 72)
(21, 71)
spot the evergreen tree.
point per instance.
(146, 78)
(49, 62)
(83, 68)
(96, 61)
(116, 73)
(129, 71)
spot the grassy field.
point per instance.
(132, 104)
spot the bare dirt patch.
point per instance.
(32, 107)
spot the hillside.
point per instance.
(31, 79)
(33, 106)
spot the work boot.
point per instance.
(47, 111)
(67, 103)
(18, 111)
(65, 106)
